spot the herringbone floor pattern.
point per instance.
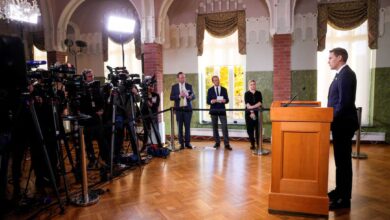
(204, 183)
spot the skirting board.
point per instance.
(208, 132)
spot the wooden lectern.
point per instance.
(300, 159)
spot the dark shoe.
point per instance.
(332, 195)
(181, 147)
(189, 146)
(227, 147)
(216, 145)
(340, 204)
(253, 147)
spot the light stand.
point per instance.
(121, 26)
(80, 45)
(123, 50)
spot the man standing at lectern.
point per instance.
(341, 97)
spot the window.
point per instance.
(40, 55)
(221, 57)
(360, 56)
(132, 64)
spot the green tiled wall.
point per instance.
(300, 78)
(381, 101)
(307, 79)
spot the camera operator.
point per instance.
(125, 116)
(92, 103)
(150, 107)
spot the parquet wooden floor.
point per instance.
(204, 183)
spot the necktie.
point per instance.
(216, 88)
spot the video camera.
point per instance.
(146, 83)
(56, 73)
(119, 76)
(43, 80)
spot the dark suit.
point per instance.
(341, 97)
(183, 114)
(215, 113)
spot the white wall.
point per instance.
(304, 45)
(259, 48)
(180, 60)
(180, 51)
(383, 51)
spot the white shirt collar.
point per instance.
(338, 71)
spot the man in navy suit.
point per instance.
(341, 97)
(183, 95)
(217, 97)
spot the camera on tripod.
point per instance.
(56, 73)
(146, 83)
(119, 76)
(77, 88)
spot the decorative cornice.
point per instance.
(211, 6)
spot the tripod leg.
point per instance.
(133, 134)
(69, 154)
(63, 171)
(76, 146)
(67, 149)
(134, 140)
(28, 180)
(58, 149)
(156, 132)
(112, 141)
(46, 156)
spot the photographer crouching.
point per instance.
(92, 104)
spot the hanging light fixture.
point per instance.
(20, 10)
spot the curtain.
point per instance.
(347, 16)
(221, 24)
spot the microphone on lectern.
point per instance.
(293, 98)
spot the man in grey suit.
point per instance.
(341, 96)
(183, 95)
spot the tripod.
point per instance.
(27, 97)
(149, 119)
(58, 146)
(117, 100)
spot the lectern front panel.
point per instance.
(300, 157)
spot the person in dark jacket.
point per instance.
(92, 104)
(149, 108)
(341, 96)
(217, 97)
(182, 94)
(253, 100)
